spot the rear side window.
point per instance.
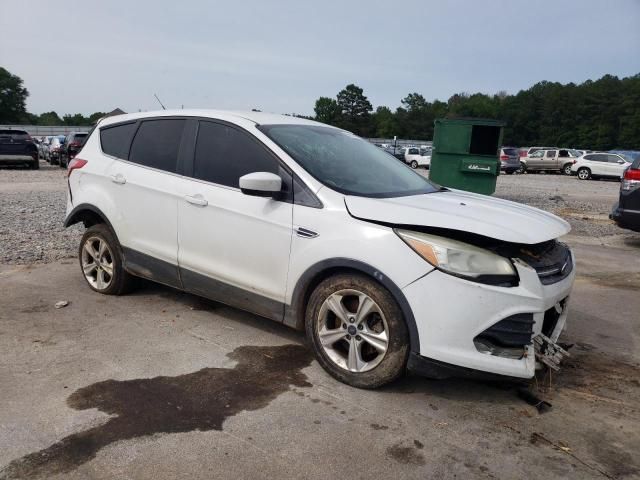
(116, 140)
(157, 143)
(224, 154)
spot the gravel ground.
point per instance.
(32, 208)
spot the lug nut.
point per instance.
(351, 319)
(358, 337)
(348, 337)
(360, 327)
(344, 325)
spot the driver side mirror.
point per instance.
(260, 184)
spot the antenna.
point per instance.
(159, 101)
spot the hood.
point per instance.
(463, 211)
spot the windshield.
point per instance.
(346, 163)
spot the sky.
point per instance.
(280, 56)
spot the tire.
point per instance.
(414, 164)
(566, 169)
(369, 368)
(584, 173)
(35, 165)
(62, 163)
(119, 281)
(522, 169)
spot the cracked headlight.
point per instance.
(461, 259)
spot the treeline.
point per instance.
(600, 115)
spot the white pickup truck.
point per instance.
(551, 160)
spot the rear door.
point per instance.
(598, 163)
(234, 248)
(143, 189)
(550, 160)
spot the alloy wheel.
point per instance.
(583, 174)
(352, 330)
(97, 263)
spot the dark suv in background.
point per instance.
(72, 145)
(17, 147)
(626, 213)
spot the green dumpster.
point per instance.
(465, 154)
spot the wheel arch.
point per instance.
(88, 214)
(294, 314)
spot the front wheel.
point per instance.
(357, 331)
(414, 164)
(101, 262)
(584, 173)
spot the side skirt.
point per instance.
(146, 266)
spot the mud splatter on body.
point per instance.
(201, 400)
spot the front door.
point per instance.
(233, 248)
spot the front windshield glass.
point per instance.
(346, 163)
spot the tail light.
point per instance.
(504, 158)
(74, 144)
(523, 153)
(631, 179)
(75, 164)
(574, 161)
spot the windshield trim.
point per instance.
(429, 188)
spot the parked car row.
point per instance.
(17, 147)
(60, 149)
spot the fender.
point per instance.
(294, 313)
(76, 215)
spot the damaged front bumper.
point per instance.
(457, 320)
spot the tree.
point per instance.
(327, 111)
(355, 109)
(49, 118)
(13, 98)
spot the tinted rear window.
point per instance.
(156, 144)
(116, 140)
(80, 136)
(512, 152)
(13, 135)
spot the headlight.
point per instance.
(461, 259)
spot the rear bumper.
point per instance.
(629, 219)
(6, 158)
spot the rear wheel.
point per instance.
(414, 164)
(567, 169)
(35, 165)
(357, 331)
(101, 262)
(584, 173)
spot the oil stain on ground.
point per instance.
(201, 400)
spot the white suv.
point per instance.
(600, 165)
(314, 227)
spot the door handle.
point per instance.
(119, 179)
(196, 200)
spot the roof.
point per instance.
(260, 118)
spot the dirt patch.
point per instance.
(201, 400)
(591, 372)
(626, 280)
(406, 455)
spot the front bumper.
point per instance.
(451, 312)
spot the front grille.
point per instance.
(513, 331)
(551, 260)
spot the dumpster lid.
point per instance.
(471, 121)
(463, 211)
